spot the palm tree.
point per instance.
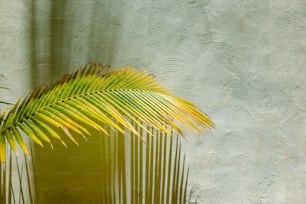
(116, 105)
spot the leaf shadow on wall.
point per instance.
(65, 35)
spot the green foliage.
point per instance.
(116, 104)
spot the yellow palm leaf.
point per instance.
(93, 97)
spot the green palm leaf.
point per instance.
(93, 97)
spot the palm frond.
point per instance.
(15, 182)
(93, 97)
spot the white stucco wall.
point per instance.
(15, 60)
(244, 63)
(14, 48)
(241, 61)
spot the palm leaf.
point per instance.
(93, 97)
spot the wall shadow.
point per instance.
(65, 35)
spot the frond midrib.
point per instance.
(74, 97)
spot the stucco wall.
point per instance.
(244, 63)
(241, 61)
(15, 60)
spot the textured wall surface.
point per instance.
(15, 60)
(241, 61)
